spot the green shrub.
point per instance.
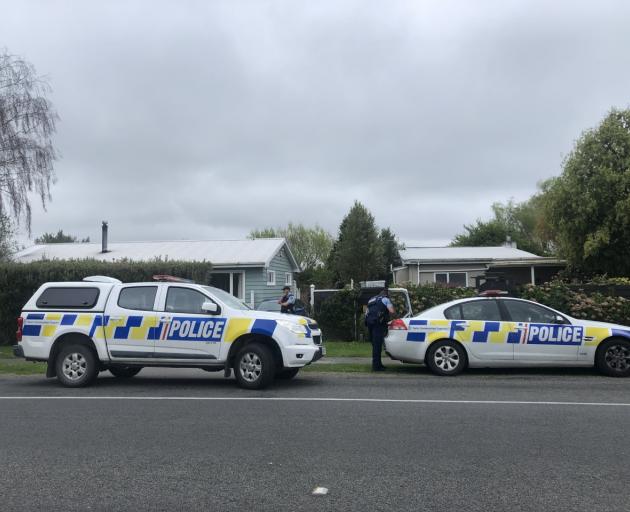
(18, 281)
(339, 315)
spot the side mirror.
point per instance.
(210, 307)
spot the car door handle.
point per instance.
(165, 318)
(115, 318)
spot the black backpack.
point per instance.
(377, 313)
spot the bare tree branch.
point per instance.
(27, 123)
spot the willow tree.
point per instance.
(27, 123)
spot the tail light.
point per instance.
(397, 325)
(18, 334)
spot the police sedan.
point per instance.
(501, 331)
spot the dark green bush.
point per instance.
(339, 315)
(18, 281)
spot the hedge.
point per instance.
(18, 281)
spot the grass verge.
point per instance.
(11, 365)
(348, 349)
(362, 368)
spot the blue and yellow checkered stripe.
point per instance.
(133, 327)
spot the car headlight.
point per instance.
(292, 326)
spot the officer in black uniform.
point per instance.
(379, 309)
(287, 301)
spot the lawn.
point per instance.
(12, 365)
(348, 349)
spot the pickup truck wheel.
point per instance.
(124, 372)
(254, 366)
(287, 373)
(76, 366)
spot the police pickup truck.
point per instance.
(98, 324)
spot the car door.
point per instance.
(480, 325)
(188, 332)
(544, 335)
(131, 322)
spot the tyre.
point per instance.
(446, 357)
(613, 358)
(124, 372)
(254, 366)
(287, 373)
(76, 366)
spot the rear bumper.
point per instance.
(18, 351)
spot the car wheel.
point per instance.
(446, 357)
(124, 372)
(254, 366)
(613, 358)
(76, 366)
(287, 373)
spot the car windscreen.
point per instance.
(269, 305)
(228, 299)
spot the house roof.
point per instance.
(221, 253)
(456, 254)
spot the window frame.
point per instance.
(231, 282)
(288, 278)
(508, 317)
(271, 274)
(448, 276)
(155, 298)
(40, 305)
(207, 299)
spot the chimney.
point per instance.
(509, 243)
(104, 237)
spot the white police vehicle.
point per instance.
(501, 331)
(82, 328)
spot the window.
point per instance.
(452, 278)
(231, 282)
(475, 310)
(520, 311)
(68, 298)
(184, 300)
(137, 297)
(271, 277)
(288, 279)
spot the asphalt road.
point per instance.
(486, 440)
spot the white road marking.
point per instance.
(320, 491)
(320, 399)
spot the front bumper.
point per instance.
(296, 356)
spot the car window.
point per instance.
(520, 311)
(481, 310)
(68, 298)
(137, 297)
(454, 312)
(184, 300)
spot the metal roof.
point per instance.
(221, 253)
(446, 254)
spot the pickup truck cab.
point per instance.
(98, 324)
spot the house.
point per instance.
(472, 266)
(252, 270)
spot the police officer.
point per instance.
(287, 301)
(379, 308)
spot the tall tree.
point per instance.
(27, 123)
(8, 244)
(391, 255)
(310, 246)
(588, 205)
(59, 238)
(358, 252)
(524, 223)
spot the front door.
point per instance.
(131, 323)
(544, 335)
(187, 332)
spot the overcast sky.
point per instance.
(202, 120)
